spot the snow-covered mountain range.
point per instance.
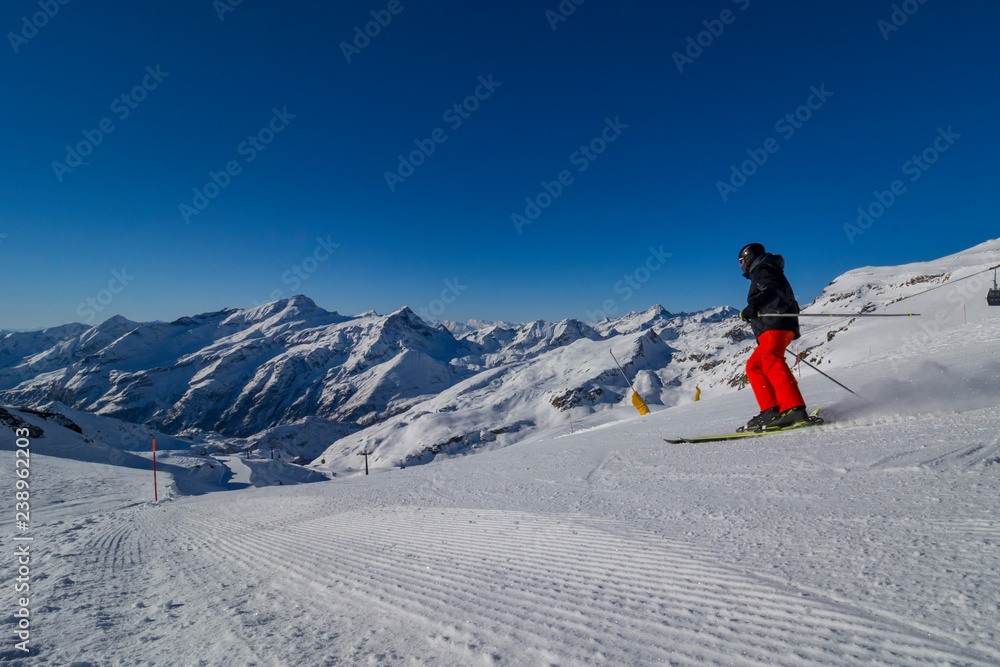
(293, 373)
(322, 386)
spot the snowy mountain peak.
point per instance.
(404, 329)
(15, 346)
(295, 307)
(657, 311)
(96, 338)
(471, 327)
(540, 334)
(406, 315)
(115, 324)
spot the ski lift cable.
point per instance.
(830, 325)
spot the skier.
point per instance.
(773, 384)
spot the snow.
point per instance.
(873, 539)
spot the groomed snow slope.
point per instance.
(874, 540)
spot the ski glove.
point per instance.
(748, 313)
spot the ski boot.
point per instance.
(789, 417)
(758, 422)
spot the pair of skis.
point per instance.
(812, 420)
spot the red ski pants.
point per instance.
(772, 381)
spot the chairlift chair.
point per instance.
(993, 296)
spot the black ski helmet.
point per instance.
(748, 254)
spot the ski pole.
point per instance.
(798, 358)
(838, 314)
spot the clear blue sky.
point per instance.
(200, 81)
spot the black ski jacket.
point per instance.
(770, 292)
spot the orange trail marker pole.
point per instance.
(156, 493)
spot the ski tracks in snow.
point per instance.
(454, 586)
(355, 574)
(87, 589)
